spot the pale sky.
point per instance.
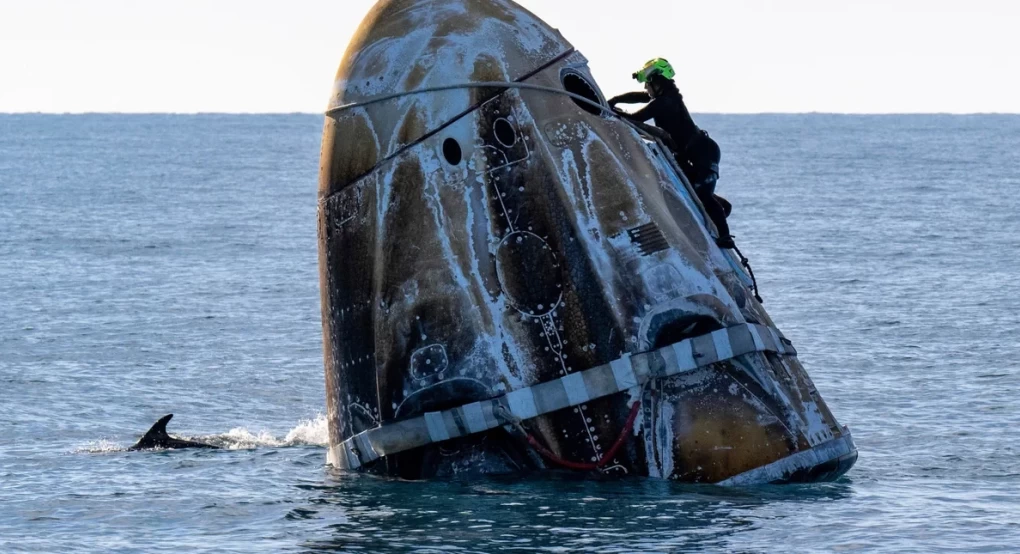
(732, 56)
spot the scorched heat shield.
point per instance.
(515, 279)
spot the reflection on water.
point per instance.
(559, 513)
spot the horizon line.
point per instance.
(195, 113)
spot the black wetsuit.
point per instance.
(668, 111)
(696, 152)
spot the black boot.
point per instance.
(717, 214)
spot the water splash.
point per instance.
(308, 432)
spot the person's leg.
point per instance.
(706, 156)
(718, 216)
(726, 206)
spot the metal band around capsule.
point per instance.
(571, 390)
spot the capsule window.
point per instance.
(452, 152)
(505, 133)
(576, 84)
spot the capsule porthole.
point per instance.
(576, 84)
(452, 151)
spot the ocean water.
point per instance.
(153, 264)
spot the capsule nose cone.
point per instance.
(404, 44)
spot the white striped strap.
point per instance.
(571, 390)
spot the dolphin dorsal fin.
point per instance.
(157, 435)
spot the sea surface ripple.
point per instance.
(167, 263)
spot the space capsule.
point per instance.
(514, 279)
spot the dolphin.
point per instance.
(157, 437)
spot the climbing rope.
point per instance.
(647, 131)
(481, 84)
(644, 130)
(747, 265)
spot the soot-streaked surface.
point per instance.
(155, 264)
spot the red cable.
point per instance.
(624, 434)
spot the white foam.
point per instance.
(101, 446)
(312, 432)
(308, 432)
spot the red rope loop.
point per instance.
(580, 466)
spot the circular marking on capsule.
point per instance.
(527, 272)
(505, 133)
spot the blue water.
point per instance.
(156, 264)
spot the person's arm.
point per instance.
(630, 98)
(657, 133)
(650, 111)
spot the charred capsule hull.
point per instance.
(498, 247)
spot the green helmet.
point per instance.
(658, 66)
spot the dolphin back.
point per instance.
(157, 437)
